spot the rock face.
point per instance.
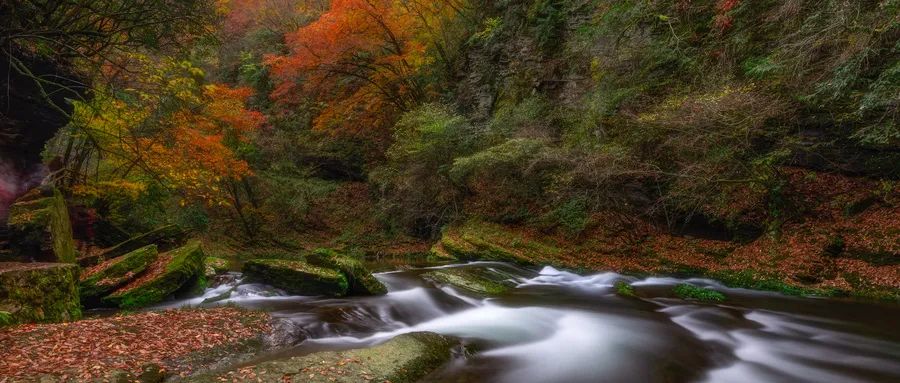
(39, 292)
(105, 278)
(477, 280)
(360, 279)
(296, 277)
(404, 359)
(170, 272)
(40, 229)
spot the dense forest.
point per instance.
(756, 143)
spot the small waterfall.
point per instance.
(555, 325)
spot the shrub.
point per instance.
(415, 188)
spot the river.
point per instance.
(556, 326)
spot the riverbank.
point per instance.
(172, 342)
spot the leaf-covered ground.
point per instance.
(91, 349)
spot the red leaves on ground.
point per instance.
(90, 349)
(155, 269)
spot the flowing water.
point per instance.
(557, 326)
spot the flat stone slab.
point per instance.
(296, 277)
(406, 358)
(165, 276)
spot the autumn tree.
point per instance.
(170, 130)
(363, 60)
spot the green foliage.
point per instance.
(686, 291)
(624, 289)
(415, 186)
(512, 153)
(547, 18)
(6, 319)
(572, 216)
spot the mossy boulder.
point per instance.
(404, 359)
(296, 277)
(359, 278)
(169, 273)
(165, 237)
(39, 292)
(477, 240)
(40, 229)
(477, 280)
(214, 265)
(438, 253)
(105, 278)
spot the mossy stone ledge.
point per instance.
(359, 278)
(105, 278)
(39, 292)
(40, 228)
(473, 279)
(169, 273)
(296, 277)
(406, 358)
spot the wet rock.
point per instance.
(224, 279)
(151, 373)
(40, 229)
(39, 292)
(296, 277)
(360, 279)
(404, 359)
(169, 273)
(285, 333)
(477, 280)
(115, 273)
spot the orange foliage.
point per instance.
(360, 58)
(198, 151)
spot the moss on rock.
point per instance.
(478, 280)
(296, 277)
(165, 237)
(170, 272)
(98, 283)
(40, 228)
(624, 289)
(39, 292)
(477, 240)
(686, 291)
(214, 266)
(360, 280)
(406, 358)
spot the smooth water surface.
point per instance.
(557, 326)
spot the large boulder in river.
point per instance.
(39, 227)
(169, 273)
(39, 292)
(98, 281)
(296, 277)
(406, 358)
(360, 279)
